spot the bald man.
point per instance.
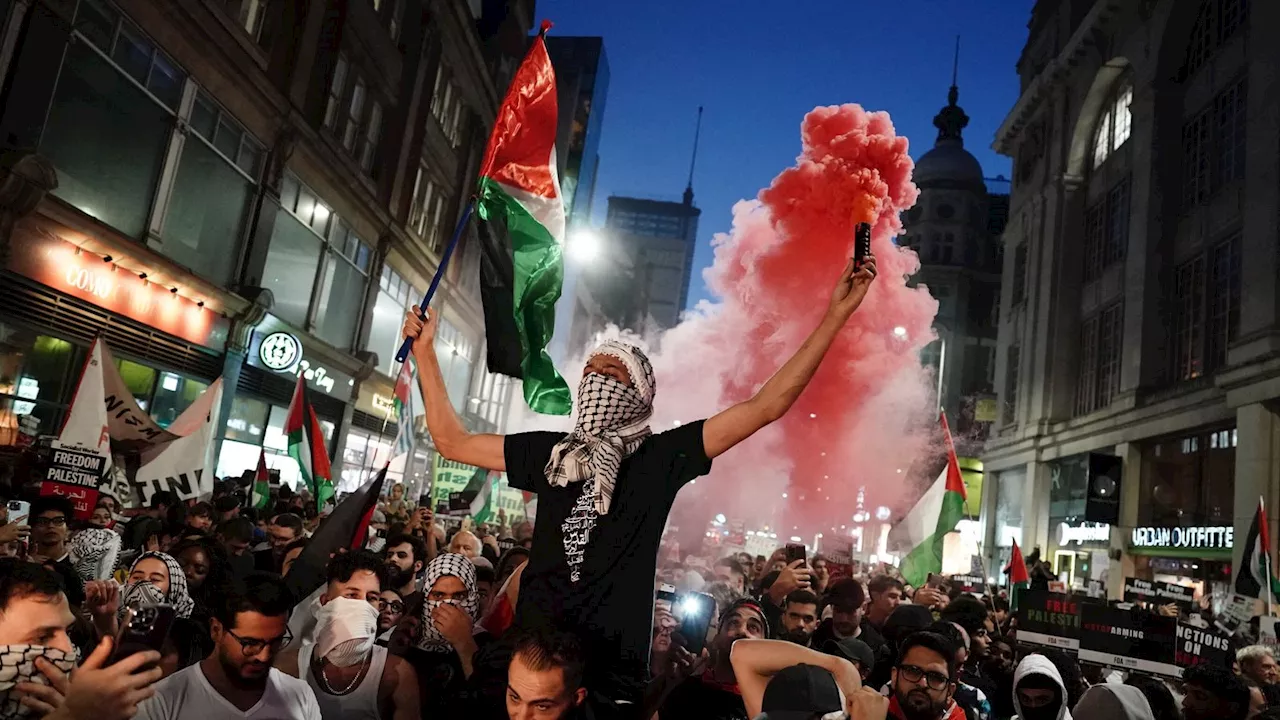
(465, 543)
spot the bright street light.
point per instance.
(899, 332)
(720, 518)
(584, 245)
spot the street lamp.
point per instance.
(584, 245)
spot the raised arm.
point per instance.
(730, 427)
(451, 437)
(755, 662)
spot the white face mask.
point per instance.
(345, 631)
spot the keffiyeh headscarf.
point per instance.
(460, 567)
(93, 553)
(613, 419)
(18, 664)
(144, 593)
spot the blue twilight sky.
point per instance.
(758, 67)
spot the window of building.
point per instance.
(1020, 272)
(946, 249)
(395, 296)
(946, 212)
(1188, 319)
(447, 106)
(1224, 299)
(427, 211)
(1213, 146)
(1206, 309)
(212, 192)
(395, 19)
(1189, 480)
(456, 352)
(114, 80)
(487, 407)
(1115, 123)
(355, 110)
(1013, 358)
(372, 133)
(255, 428)
(251, 14)
(337, 85)
(1217, 23)
(310, 241)
(1100, 348)
(1106, 234)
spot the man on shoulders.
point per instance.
(237, 680)
(605, 489)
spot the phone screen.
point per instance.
(693, 612)
(19, 512)
(795, 551)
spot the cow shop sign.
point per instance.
(1184, 538)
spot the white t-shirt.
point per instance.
(187, 693)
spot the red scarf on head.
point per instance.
(953, 711)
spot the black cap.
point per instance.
(853, 650)
(800, 692)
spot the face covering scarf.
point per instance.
(345, 631)
(455, 566)
(177, 596)
(18, 664)
(612, 422)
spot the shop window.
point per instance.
(110, 173)
(173, 395)
(1190, 480)
(395, 296)
(212, 193)
(139, 379)
(256, 427)
(247, 420)
(37, 375)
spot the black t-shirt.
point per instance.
(615, 555)
(696, 700)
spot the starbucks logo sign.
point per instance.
(280, 351)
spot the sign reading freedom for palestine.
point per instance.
(74, 473)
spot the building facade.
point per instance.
(1139, 312)
(214, 185)
(582, 86)
(954, 228)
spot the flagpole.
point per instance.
(1262, 530)
(407, 345)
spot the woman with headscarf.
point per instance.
(154, 578)
(437, 635)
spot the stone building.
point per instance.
(1139, 315)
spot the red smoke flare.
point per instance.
(858, 423)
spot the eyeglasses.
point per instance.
(913, 674)
(395, 605)
(60, 521)
(253, 646)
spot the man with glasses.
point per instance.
(50, 517)
(237, 681)
(282, 530)
(923, 681)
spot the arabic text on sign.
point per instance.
(1220, 537)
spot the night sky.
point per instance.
(758, 67)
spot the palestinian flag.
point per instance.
(1256, 571)
(521, 231)
(935, 515)
(306, 445)
(346, 528)
(1019, 578)
(482, 509)
(406, 408)
(261, 482)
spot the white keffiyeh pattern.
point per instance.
(94, 552)
(460, 567)
(18, 664)
(135, 594)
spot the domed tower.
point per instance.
(953, 230)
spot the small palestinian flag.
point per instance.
(935, 515)
(406, 408)
(1019, 578)
(261, 482)
(1256, 571)
(521, 231)
(307, 446)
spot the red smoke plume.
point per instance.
(859, 421)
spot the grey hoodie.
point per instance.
(1040, 665)
(1114, 702)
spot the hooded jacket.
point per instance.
(1110, 701)
(1040, 665)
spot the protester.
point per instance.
(101, 517)
(731, 571)
(236, 536)
(856, 652)
(544, 680)
(199, 519)
(1159, 698)
(353, 678)
(1213, 693)
(509, 562)
(971, 615)
(604, 490)
(972, 700)
(821, 574)
(436, 634)
(291, 553)
(50, 517)
(1258, 663)
(799, 617)
(466, 544)
(37, 655)
(999, 671)
(390, 609)
(1110, 701)
(846, 599)
(283, 529)
(406, 557)
(785, 680)
(923, 680)
(1257, 701)
(707, 687)
(1038, 690)
(237, 680)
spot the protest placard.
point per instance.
(74, 473)
(1128, 639)
(1048, 619)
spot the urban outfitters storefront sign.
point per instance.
(1200, 541)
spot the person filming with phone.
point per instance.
(39, 676)
(605, 489)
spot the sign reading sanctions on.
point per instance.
(74, 473)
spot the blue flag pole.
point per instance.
(407, 346)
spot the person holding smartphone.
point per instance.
(606, 488)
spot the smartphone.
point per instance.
(19, 512)
(144, 628)
(693, 612)
(795, 551)
(861, 243)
